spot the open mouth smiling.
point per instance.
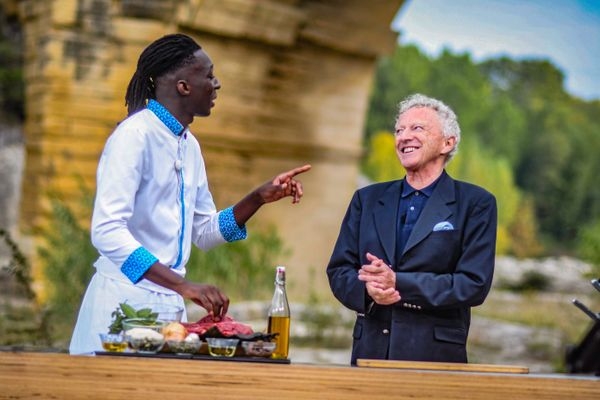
(408, 149)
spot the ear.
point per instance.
(183, 88)
(449, 144)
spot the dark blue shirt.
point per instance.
(412, 202)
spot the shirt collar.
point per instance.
(166, 117)
(407, 190)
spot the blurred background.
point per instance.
(313, 82)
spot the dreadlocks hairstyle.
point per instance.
(162, 56)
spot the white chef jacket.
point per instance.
(152, 203)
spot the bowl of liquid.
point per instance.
(114, 342)
(222, 347)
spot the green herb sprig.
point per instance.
(125, 311)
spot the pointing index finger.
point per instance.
(296, 171)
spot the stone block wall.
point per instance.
(295, 75)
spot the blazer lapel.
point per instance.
(385, 214)
(435, 210)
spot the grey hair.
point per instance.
(448, 120)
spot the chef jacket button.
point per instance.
(386, 331)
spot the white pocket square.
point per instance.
(443, 226)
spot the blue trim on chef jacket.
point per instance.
(177, 129)
(137, 264)
(166, 117)
(182, 200)
(229, 228)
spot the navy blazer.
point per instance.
(440, 274)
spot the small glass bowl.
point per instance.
(258, 348)
(184, 346)
(131, 323)
(144, 336)
(144, 340)
(164, 312)
(222, 347)
(113, 342)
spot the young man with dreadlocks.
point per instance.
(153, 201)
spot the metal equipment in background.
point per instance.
(585, 357)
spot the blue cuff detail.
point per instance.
(137, 264)
(229, 228)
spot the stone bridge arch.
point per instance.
(296, 76)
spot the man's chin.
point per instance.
(202, 114)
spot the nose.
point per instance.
(216, 83)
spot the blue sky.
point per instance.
(566, 32)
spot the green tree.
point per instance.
(381, 163)
(523, 231)
(67, 256)
(558, 152)
(404, 72)
(589, 245)
(476, 164)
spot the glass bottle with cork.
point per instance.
(279, 316)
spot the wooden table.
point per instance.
(26, 375)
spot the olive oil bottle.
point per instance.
(279, 316)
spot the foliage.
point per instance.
(244, 269)
(589, 246)
(25, 319)
(18, 266)
(67, 257)
(524, 138)
(523, 231)
(126, 311)
(558, 153)
(477, 165)
(407, 71)
(381, 163)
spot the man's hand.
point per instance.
(380, 281)
(283, 185)
(209, 297)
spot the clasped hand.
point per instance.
(380, 281)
